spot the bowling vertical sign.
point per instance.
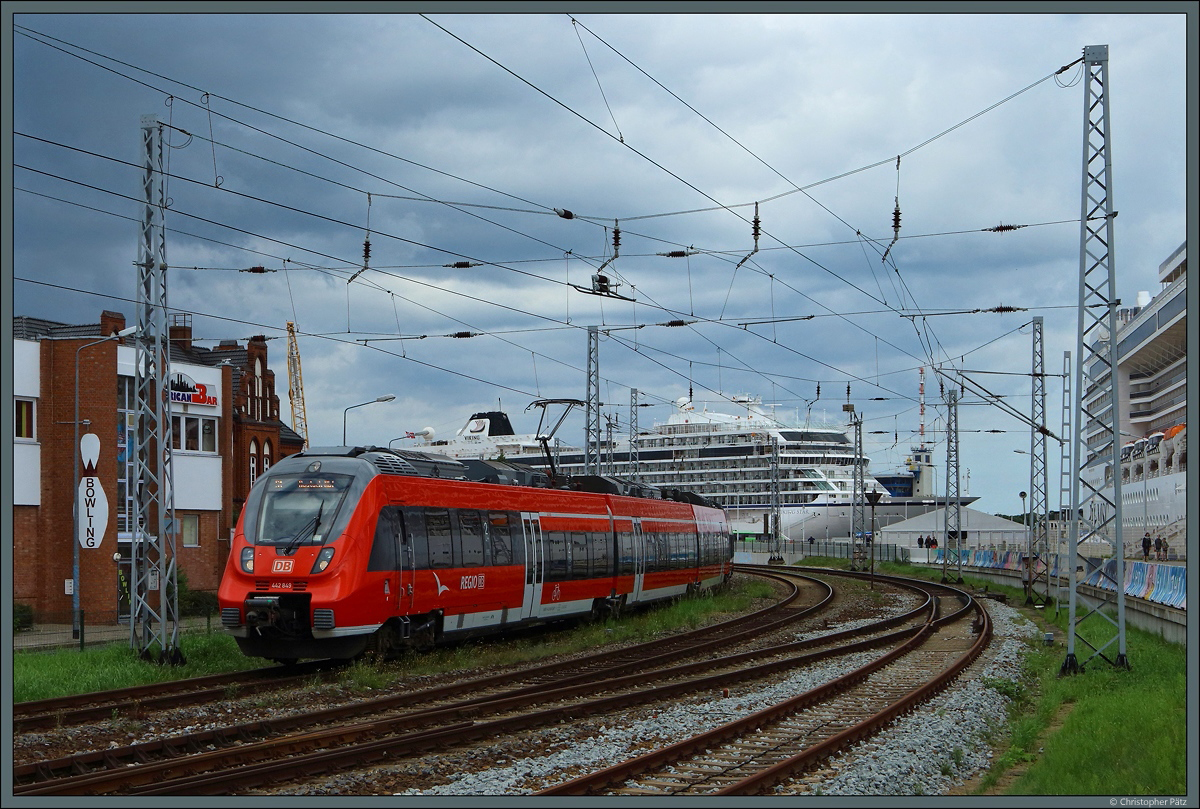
(93, 505)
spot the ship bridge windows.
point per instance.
(814, 437)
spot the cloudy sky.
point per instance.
(449, 141)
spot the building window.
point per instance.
(25, 425)
(257, 410)
(266, 456)
(253, 461)
(194, 433)
(189, 530)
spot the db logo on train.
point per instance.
(281, 566)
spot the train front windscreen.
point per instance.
(300, 510)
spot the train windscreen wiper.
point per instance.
(306, 530)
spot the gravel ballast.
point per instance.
(927, 752)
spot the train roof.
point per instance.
(417, 463)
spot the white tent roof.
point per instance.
(934, 522)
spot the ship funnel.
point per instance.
(1143, 299)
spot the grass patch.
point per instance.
(1103, 731)
(1124, 734)
(641, 626)
(44, 675)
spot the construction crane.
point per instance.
(296, 385)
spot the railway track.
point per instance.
(141, 701)
(246, 757)
(781, 743)
(137, 702)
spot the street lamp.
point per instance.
(873, 497)
(75, 628)
(386, 398)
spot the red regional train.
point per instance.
(346, 551)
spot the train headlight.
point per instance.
(248, 560)
(323, 560)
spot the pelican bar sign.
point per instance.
(185, 390)
(92, 502)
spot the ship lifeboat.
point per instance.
(1174, 438)
(1153, 441)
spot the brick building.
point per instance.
(225, 431)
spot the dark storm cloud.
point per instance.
(394, 107)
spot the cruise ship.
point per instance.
(1152, 386)
(726, 457)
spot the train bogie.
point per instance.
(346, 552)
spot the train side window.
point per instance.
(625, 546)
(580, 562)
(500, 534)
(437, 526)
(387, 535)
(414, 527)
(601, 554)
(557, 556)
(471, 531)
(532, 531)
(518, 540)
(651, 552)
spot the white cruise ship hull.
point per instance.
(742, 462)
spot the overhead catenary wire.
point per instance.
(490, 301)
(852, 285)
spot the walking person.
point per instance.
(1146, 547)
(1158, 549)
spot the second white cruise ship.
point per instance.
(727, 458)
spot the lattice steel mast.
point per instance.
(776, 513)
(634, 472)
(858, 505)
(1039, 482)
(154, 592)
(591, 445)
(1061, 558)
(952, 533)
(1095, 444)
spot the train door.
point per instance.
(406, 562)
(387, 557)
(639, 560)
(535, 565)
